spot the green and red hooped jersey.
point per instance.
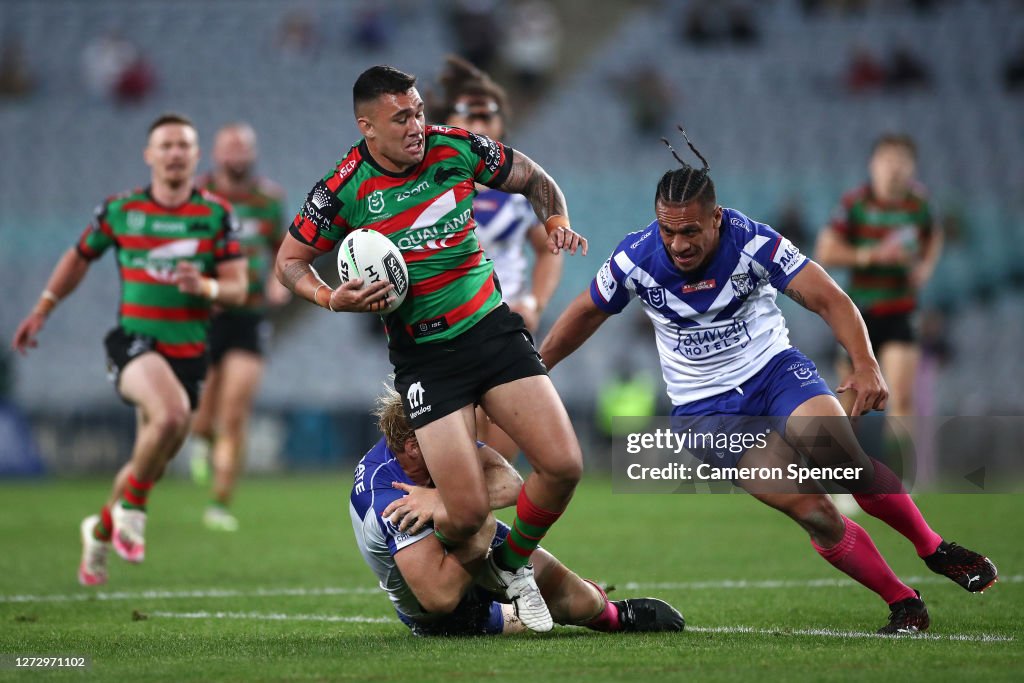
(865, 222)
(260, 215)
(149, 241)
(427, 211)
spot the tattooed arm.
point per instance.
(294, 268)
(530, 180)
(813, 289)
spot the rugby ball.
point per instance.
(369, 255)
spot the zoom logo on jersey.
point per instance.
(487, 149)
(411, 192)
(321, 206)
(395, 272)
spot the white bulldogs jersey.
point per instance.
(502, 221)
(718, 327)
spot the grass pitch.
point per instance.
(289, 598)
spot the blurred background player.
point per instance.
(453, 342)
(434, 592)
(238, 334)
(884, 232)
(505, 223)
(177, 257)
(708, 277)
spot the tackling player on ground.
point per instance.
(177, 256)
(238, 333)
(707, 277)
(453, 343)
(433, 591)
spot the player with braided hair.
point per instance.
(707, 276)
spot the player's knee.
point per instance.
(563, 472)
(170, 421)
(440, 601)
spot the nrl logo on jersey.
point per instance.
(376, 200)
(742, 284)
(655, 296)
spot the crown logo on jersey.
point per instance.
(320, 198)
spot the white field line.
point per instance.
(775, 584)
(274, 616)
(186, 594)
(727, 584)
(831, 633)
(813, 632)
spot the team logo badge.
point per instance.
(656, 296)
(136, 220)
(376, 200)
(742, 284)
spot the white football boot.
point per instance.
(129, 533)
(521, 589)
(92, 571)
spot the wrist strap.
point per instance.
(554, 222)
(47, 302)
(214, 288)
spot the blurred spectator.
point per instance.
(372, 30)
(845, 7)
(136, 82)
(742, 26)
(297, 35)
(477, 31)
(531, 45)
(712, 21)
(648, 96)
(15, 77)
(104, 61)
(906, 71)
(865, 73)
(1013, 71)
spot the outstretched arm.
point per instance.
(572, 328)
(813, 289)
(294, 268)
(66, 276)
(530, 180)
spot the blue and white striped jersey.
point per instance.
(502, 222)
(378, 538)
(715, 328)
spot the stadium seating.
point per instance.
(772, 119)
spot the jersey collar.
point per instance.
(364, 152)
